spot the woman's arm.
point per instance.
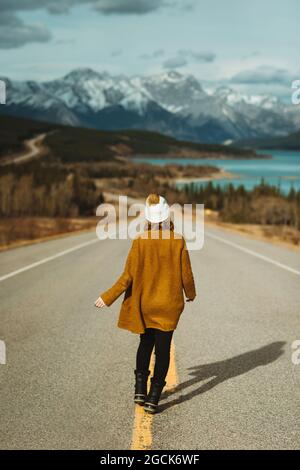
(187, 274)
(124, 281)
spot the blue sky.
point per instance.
(251, 46)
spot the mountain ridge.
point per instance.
(170, 102)
(289, 142)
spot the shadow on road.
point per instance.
(224, 370)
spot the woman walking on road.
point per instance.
(156, 273)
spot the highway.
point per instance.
(68, 380)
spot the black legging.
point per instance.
(162, 342)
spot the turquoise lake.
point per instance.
(282, 169)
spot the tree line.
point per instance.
(264, 204)
(36, 189)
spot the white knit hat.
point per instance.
(156, 213)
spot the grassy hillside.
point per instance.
(13, 131)
(72, 144)
(289, 142)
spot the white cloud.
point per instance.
(263, 75)
(15, 33)
(153, 55)
(175, 63)
(137, 7)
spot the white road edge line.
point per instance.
(49, 258)
(253, 253)
(90, 242)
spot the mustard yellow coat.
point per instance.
(156, 273)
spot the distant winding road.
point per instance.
(32, 150)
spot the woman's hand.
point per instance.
(99, 303)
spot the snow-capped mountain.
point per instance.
(255, 114)
(173, 91)
(170, 102)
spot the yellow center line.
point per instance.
(172, 376)
(142, 426)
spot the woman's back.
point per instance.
(161, 289)
(156, 273)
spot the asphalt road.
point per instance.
(68, 380)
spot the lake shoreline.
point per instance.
(216, 175)
(198, 156)
(281, 170)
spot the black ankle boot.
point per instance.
(152, 399)
(141, 379)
